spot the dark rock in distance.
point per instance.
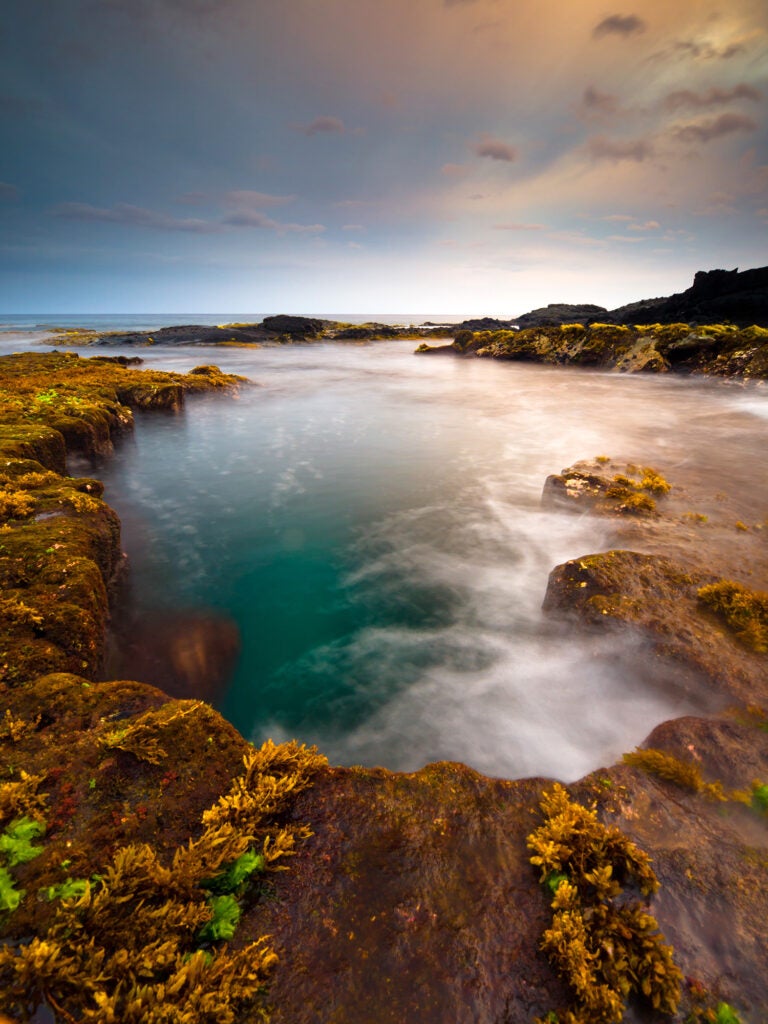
(295, 326)
(715, 296)
(556, 314)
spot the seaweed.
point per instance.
(125, 946)
(602, 940)
(685, 774)
(745, 611)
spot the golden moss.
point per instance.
(685, 774)
(744, 611)
(602, 941)
(21, 798)
(132, 948)
(15, 504)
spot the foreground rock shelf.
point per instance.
(143, 884)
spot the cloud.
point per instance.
(601, 103)
(254, 219)
(519, 227)
(617, 217)
(712, 98)
(715, 128)
(321, 126)
(8, 193)
(649, 225)
(720, 204)
(619, 25)
(702, 49)
(136, 216)
(454, 170)
(495, 149)
(352, 204)
(601, 148)
(246, 198)
(249, 198)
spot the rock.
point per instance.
(190, 654)
(413, 901)
(714, 297)
(435, 350)
(657, 598)
(485, 323)
(605, 486)
(295, 326)
(557, 313)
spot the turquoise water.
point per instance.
(371, 521)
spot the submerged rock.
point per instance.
(192, 652)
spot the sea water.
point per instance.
(372, 522)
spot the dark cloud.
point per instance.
(321, 125)
(239, 198)
(711, 98)
(495, 149)
(715, 128)
(619, 25)
(249, 198)
(601, 148)
(8, 193)
(699, 50)
(137, 216)
(595, 102)
(255, 219)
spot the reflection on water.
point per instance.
(371, 522)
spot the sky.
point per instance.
(318, 156)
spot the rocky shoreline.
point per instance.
(409, 896)
(273, 330)
(719, 350)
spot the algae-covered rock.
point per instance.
(658, 598)
(413, 901)
(716, 349)
(606, 486)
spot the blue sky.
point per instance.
(457, 156)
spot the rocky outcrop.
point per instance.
(716, 296)
(273, 330)
(715, 349)
(295, 326)
(147, 885)
(556, 314)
